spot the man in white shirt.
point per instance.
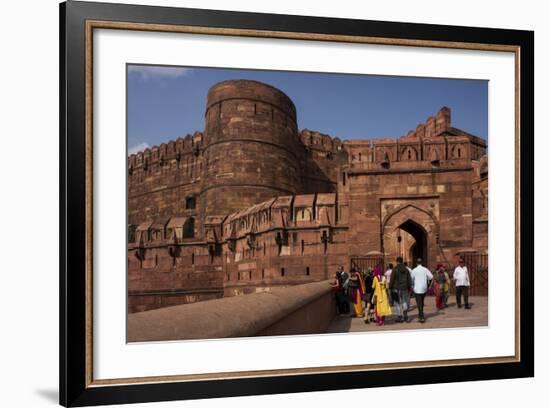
(420, 277)
(462, 283)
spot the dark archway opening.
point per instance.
(419, 249)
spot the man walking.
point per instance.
(387, 274)
(420, 277)
(462, 282)
(401, 283)
(343, 278)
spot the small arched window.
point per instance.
(190, 203)
(189, 228)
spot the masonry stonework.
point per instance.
(252, 203)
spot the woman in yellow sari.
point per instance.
(380, 298)
(357, 286)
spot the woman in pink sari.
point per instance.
(437, 293)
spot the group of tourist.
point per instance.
(376, 294)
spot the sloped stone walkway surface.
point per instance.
(449, 317)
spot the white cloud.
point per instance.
(137, 148)
(149, 72)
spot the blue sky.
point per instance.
(165, 103)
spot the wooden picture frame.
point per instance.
(78, 20)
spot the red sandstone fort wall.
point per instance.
(287, 241)
(252, 203)
(322, 159)
(163, 180)
(480, 205)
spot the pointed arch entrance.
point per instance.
(410, 232)
(419, 247)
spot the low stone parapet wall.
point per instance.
(300, 309)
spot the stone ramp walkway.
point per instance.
(435, 319)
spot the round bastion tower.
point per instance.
(250, 145)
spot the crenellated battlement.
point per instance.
(171, 150)
(319, 141)
(433, 126)
(433, 141)
(175, 171)
(164, 180)
(322, 159)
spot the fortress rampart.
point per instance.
(250, 146)
(164, 180)
(252, 203)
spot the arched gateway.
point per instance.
(410, 232)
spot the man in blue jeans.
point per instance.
(401, 283)
(421, 276)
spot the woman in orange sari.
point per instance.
(357, 287)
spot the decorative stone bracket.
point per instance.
(174, 251)
(326, 238)
(232, 244)
(140, 253)
(281, 239)
(251, 240)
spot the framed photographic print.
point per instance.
(253, 203)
